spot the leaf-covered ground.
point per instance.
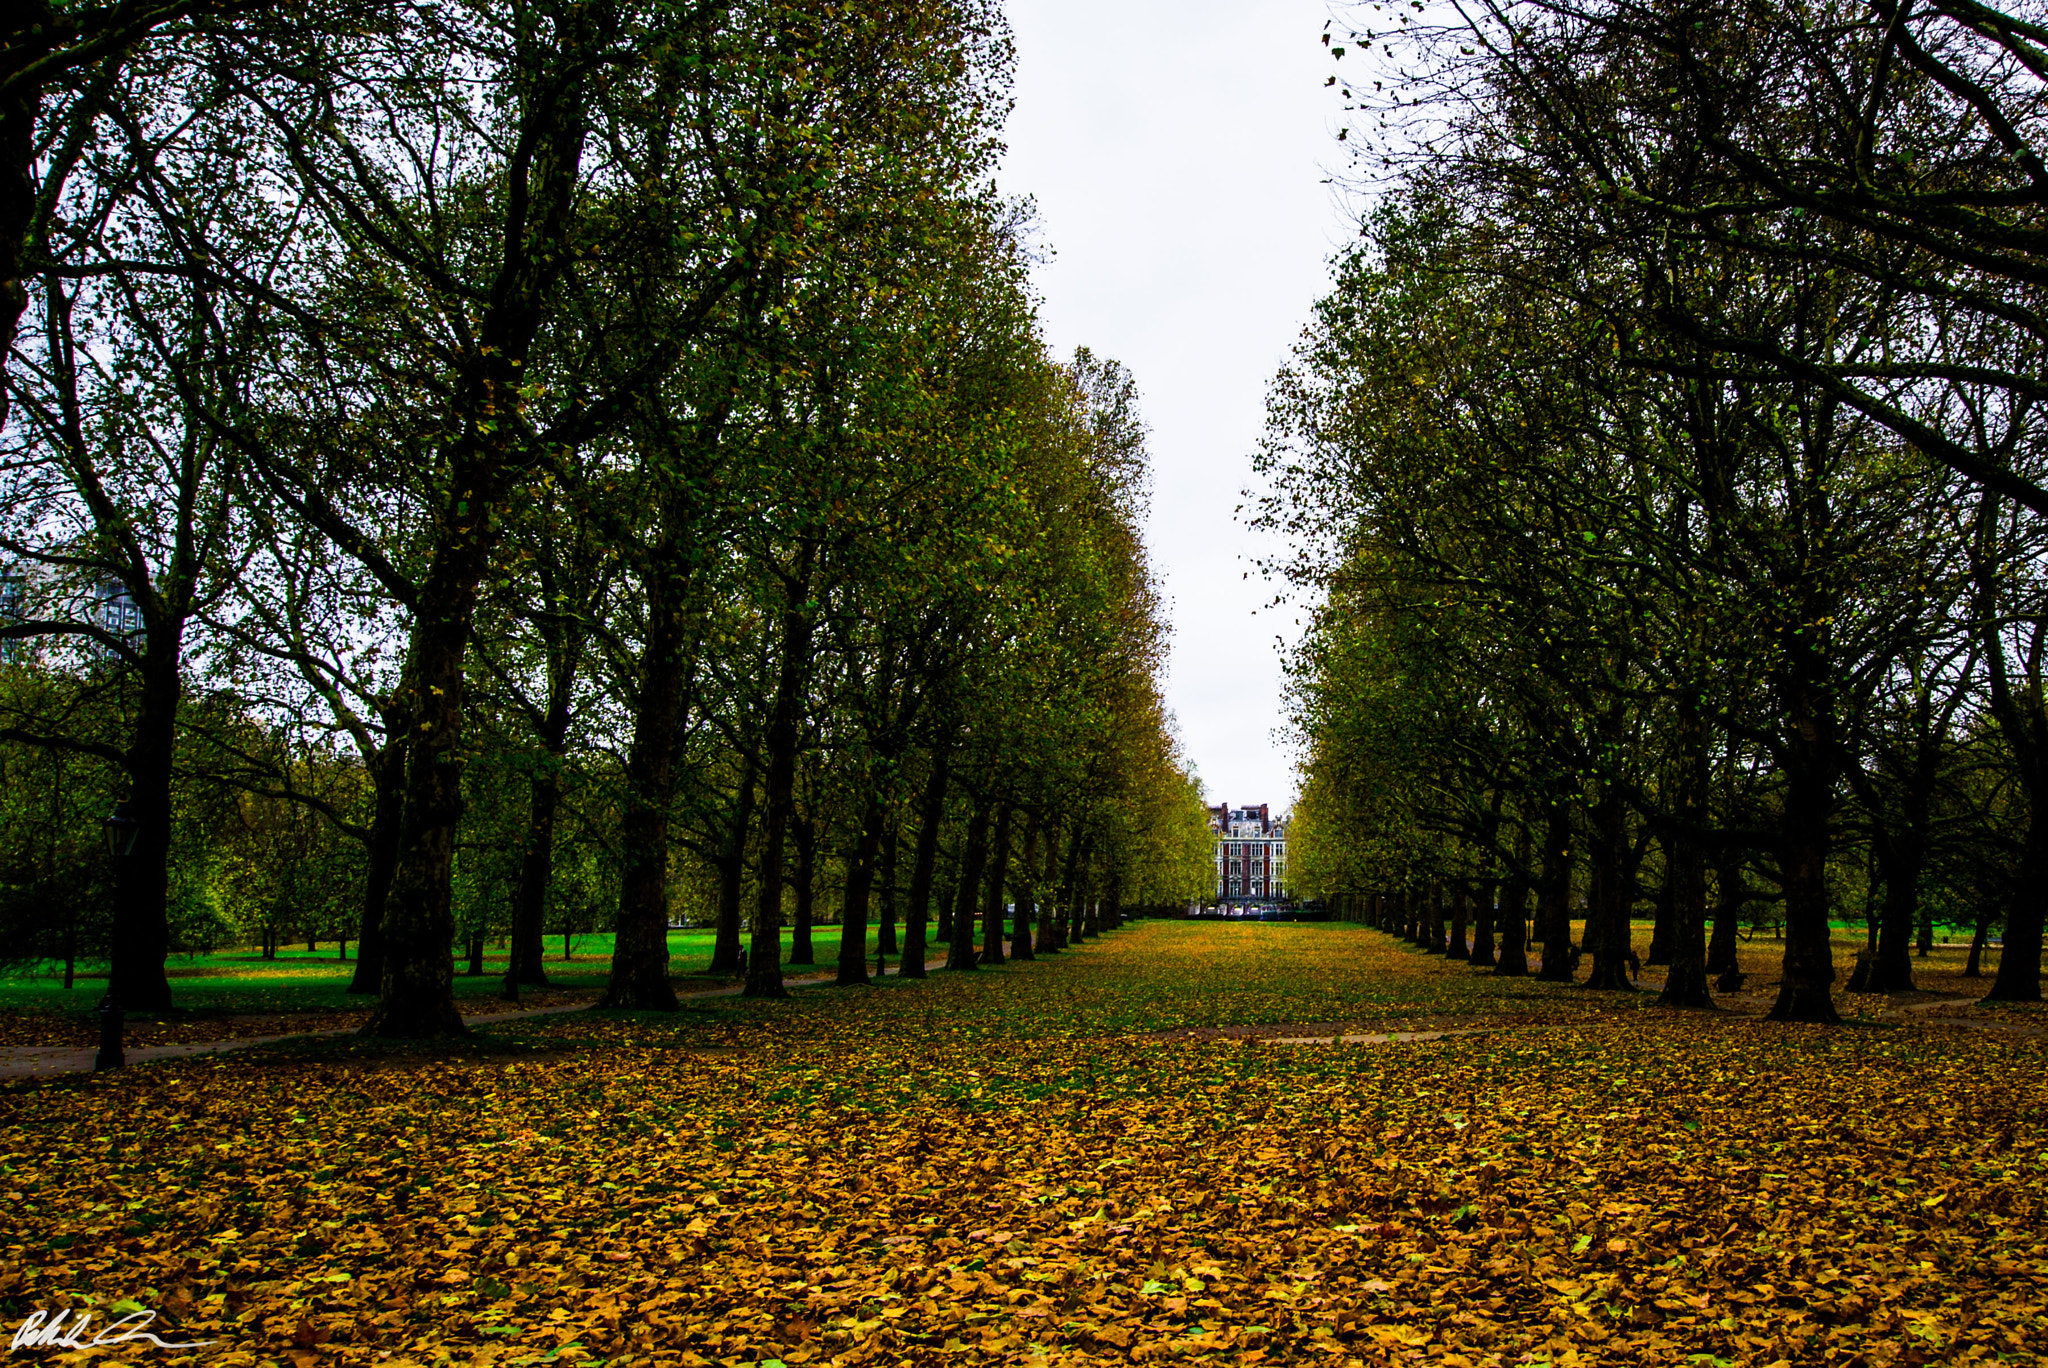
(1010, 1166)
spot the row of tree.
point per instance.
(1666, 459)
(585, 455)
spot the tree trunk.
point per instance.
(1023, 893)
(417, 991)
(1685, 873)
(1514, 917)
(1685, 981)
(388, 773)
(1461, 914)
(2019, 957)
(1805, 992)
(885, 934)
(805, 833)
(524, 956)
(1899, 858)
(931, 816)
(2022, 715)
(1514, 910)
(1084, 907)
(732, 879)
(764, 953)
(1483, 923)
(1729, 897)
(1052, 921)
(860, 882)
(141, 939)
(1973, 967)
(960, 949)
(998, 885)
(1554, 896)
(639, 971)
(1661, 928)
(1607, 900)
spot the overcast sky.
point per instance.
(1176, 152)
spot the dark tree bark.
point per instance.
(524, 958)
(1461, 913)
(1685, 887)
(1483, 923)
(1514, 914)
(639, 978)
(1608, 898)
(1079, 877)
(805, 834)
(998, 886)
(1022, 892)
(1052, 917)
(481, 465)
(885, 933)
(388, 775)
(2021, 708)
(732, 878)
(1554, 896)
(417, 991)
(764, 953)
(1900, 860)
(2019, 956)
(931, 816)
(1901, 813)
(1086, 922)
(1973, 967)
(1729, 896)
(1806, 992)
(136, 978)
(1685, 982)
(860, 883)
(973, 861)
(1660, 928)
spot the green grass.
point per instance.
(241, 980)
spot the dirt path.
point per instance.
(49, 1061)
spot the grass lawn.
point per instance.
(1103, 1157)
(310, 989)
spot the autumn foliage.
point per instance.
(1100, 1158)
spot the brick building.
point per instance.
(1251, 852)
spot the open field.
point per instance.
(1072, 1161)
(237, 993)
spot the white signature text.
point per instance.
(44, 1331)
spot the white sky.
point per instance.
(1176, 152)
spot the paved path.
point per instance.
(48, 1061)
(1375, 1038)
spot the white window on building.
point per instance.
(118, 612)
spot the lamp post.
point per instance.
(122, 829)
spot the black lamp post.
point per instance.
(121, 832)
